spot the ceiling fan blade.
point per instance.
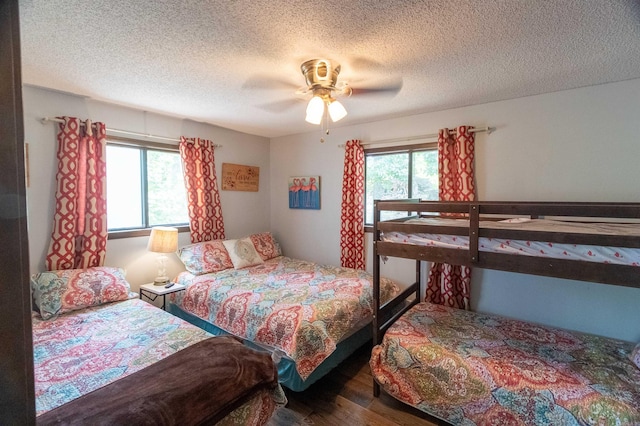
(280, 106)
(360, 63)
(388, 88)
(266, 82)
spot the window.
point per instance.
(145, 186)
(399, 173)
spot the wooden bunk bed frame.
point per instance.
(607, 273)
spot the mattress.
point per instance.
(590, 253)
(85, 350)
(470, 368)
(299, 309)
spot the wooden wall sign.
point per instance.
(236, 177)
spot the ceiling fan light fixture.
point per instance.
(315, 110)
(336, 111)
(321, 76)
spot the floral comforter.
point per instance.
(82, 351)
(474, 369)
(301, 308)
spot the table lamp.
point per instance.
(163, 239)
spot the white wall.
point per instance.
(131, 253)
(576, 145)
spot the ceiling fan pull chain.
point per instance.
(324, 127)
(326, 123)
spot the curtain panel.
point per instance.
(79, 236)
(352, 214)
(449, 285)
(203, 197)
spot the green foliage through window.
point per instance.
(145, 188)
(400, 174)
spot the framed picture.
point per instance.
(304, 192)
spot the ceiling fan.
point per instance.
(321, 76)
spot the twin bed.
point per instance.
(469, 368)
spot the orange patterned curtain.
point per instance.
(203, 198)
(79, 236)
(352, 217)
(449, 284)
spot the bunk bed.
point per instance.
(471, 368)
(102, 356)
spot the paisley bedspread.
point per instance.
(301, 308)
(474, 369)
(87, 350)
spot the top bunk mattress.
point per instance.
(586, 252)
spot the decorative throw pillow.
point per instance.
(205, 257)
(266, 245)
(242, 253)
(635, 355)
(58, 292)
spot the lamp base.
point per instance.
(160, 280)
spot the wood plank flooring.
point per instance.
(345, 397)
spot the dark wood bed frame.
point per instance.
(388, 313)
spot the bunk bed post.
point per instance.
(376, 287)
(474, 230)
(418, 279)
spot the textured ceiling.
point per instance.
(236, 63)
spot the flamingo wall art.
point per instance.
(304, 192)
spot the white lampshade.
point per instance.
(315, 110)
(337, 111)
(163, 239)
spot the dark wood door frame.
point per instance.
(17, 402)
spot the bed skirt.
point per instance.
(287, 374)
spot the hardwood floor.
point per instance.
(345, 397)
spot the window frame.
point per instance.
(144, 146)
(396, 149)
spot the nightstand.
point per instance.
(151, 292)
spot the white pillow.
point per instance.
(242, 252)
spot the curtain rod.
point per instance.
(421, 137)
(124, 132)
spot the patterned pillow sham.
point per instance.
(635, 355)
(266, 246)
(205, 257)
(242, 253)
(58, 292)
